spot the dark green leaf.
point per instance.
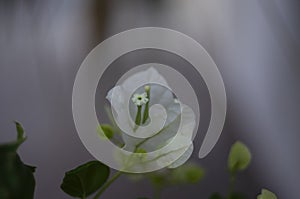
(85, 179)
(215, 196)
(20, 130)
(32, 168)
(13, 146)
(17, 180)
(239, 157)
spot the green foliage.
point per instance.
(159, 178)
(186, 174)
(239, 157)
(13, 146)
(183, 175)
(107, 130)
(266, 194)
(231, 196)
(17, 180)
(141, 150)
(85, 179)
(237, 196)
(141, 154)
(215, 196)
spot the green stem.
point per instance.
(146, 110)
(138, 116)
(231, 184)
(108, 183)
(146, 113)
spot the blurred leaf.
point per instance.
(20, 131)
(158, 178)
(186, 174)
(31, 168)
(107, 130)
(266, 194)
(13, 146)
(135, 177)
(85, 179)
(140, 150)
(142, 198)
(141, 153)
(17, 180)
(215, 196)
(239, 157)
(237, 196)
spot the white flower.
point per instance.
(167, 137)
(140, 99)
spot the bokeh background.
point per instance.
(256, 45)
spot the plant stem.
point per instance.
(231, 184)
(138, 118)
(146, 110)
(108, 183)
(138, 115)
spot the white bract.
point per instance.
(163, 126)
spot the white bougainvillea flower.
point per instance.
(165, 132)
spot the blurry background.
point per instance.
(256, 45)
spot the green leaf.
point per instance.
(14, 145)
(17, 180)
(158, 178)
(239, 157)
(20, 131)
(237, 196)
(266, 194)
(186, 174)
(215, 196)
(85, 179)
(105, 131)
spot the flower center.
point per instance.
(139, 100)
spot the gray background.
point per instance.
(254, 43)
